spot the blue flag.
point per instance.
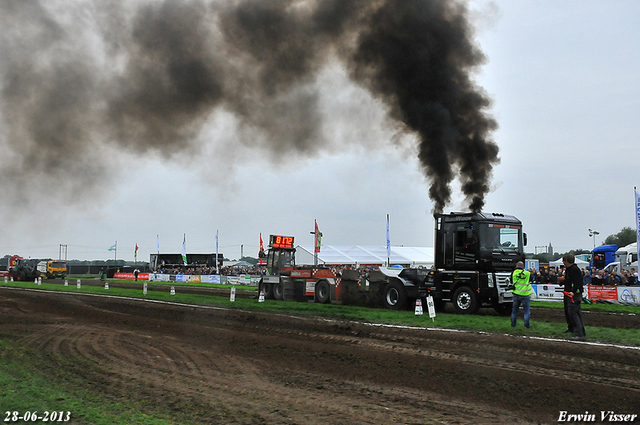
(217, 271)
(637, 219)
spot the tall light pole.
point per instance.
(593, 233)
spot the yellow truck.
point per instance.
(53, 269)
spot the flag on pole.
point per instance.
(261, 253)
(318, 241)
(388, 242)
(217, 262)
(114, 246)
(135, 254)
(637, 196)
(184, 249)
(158, 242)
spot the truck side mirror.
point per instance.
(524, 239)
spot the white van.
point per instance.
(626, 258)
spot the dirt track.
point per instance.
(247, 367)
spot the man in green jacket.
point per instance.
(521, 294)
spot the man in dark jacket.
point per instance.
(573, 297)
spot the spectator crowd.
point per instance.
(590, 276)
(546, 275)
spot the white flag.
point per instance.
(184, 249)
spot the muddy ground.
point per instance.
(224, 366)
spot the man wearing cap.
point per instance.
(521, 294)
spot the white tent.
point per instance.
(410, 256)
(578, 261)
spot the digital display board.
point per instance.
(277, 241)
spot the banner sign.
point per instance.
(239, 280)
(131, 276)
(547, 292)
(159, 277)
(212, 278)
(602, 292)
(614, 293)
(629, 294)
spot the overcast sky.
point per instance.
(564, 79)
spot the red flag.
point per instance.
(261, 253)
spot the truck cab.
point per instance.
(281, 255)
(603, 255)
(478, 241)
(56, 269)
(475, 254)
(625, 258)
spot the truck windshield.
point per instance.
(499, 237)
(279, 257)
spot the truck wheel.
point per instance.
(323, 292)
(278, 291)
(394, 296)
(288, 293)
(464, 301)
(267, 288)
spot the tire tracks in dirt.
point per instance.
(253, 367)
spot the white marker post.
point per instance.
(39, 280)
(79, 283)
(419, 311)
(5, 279)
(261, 297)
(173, 290)
(431, 307)
(144, 288)
(106, 285)
(66, 282)
(233, 294)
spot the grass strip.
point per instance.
(475, 322)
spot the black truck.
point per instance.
(475, 254)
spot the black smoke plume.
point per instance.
(147, 77)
